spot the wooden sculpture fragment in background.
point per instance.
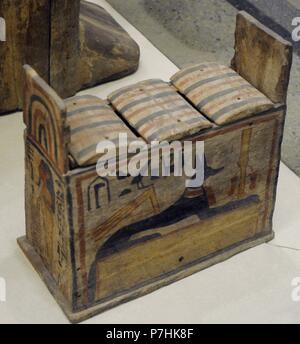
(72, 44)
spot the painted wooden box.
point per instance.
(98, 242)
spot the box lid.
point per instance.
(220, 93)
(157, 112)
(91, 121)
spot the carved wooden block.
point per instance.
(72, 45)
(23, 43)
(262, 57)
(98, 242)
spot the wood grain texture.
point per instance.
(262, 57)
(24, 44)
(76, 317)
(64, 47)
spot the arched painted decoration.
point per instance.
(42, 127)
